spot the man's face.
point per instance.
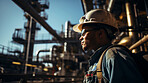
(88, 38)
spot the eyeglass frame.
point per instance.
(92, 29)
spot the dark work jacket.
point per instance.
(117, 67)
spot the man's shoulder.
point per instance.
(113, 51)
(116, 48)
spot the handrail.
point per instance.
(7, 50)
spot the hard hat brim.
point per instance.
(78, 27)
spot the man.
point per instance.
(97, 29)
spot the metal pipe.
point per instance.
(39, 52)
(138, 43)
(131, 22)
(130, 15)
(28, 45)
(110, 5)
(30, 10)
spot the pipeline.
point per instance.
(39, 52)
(138, 43)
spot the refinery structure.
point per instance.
(68, 60)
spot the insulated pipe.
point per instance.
(66, 35)
(144, 39)
(30, 10)
(67, 24)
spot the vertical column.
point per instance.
(131, 23)
(30, 43)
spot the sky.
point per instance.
(60, 11)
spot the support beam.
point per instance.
(32, 12)
(87, 5)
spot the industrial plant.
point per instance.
(66, 62)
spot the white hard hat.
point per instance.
(99, 16)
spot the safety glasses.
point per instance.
(87, 30)
(92, 27)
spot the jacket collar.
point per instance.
(96, 55)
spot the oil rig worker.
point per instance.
(97, 28)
